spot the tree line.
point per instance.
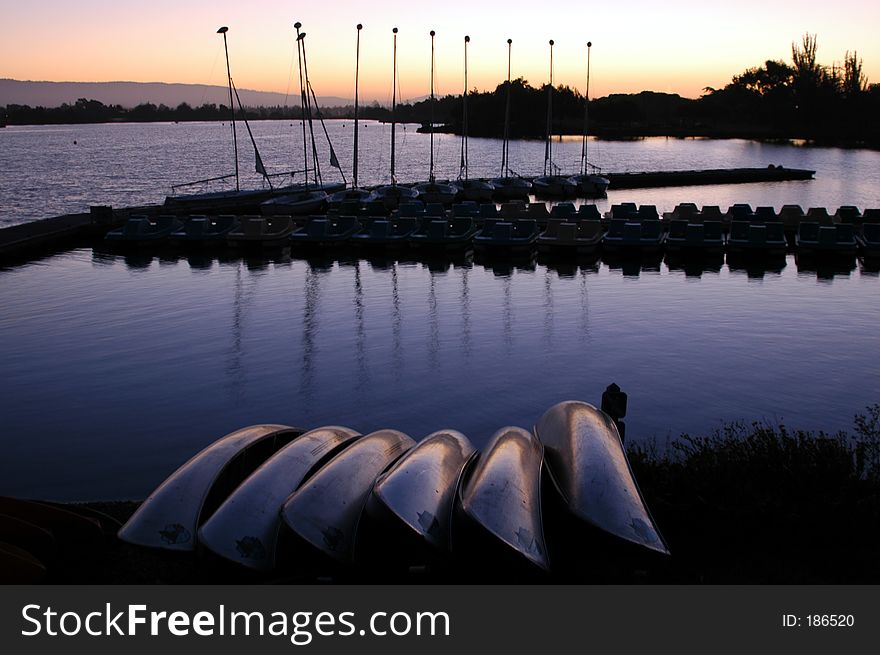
(801, 99)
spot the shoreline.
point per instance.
(756, 504)
(597, 132)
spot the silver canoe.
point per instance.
(588, 465)
(244, 529)
(326, 510)
(169, 518)
(420, 488)
(503, 493)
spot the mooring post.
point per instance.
(614, 404)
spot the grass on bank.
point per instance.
(764, 503)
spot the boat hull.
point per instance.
(393, 195)
(326, 510)
(512, 188)
(419, 489)
(170, 516)
(476, 190)
(554, 186)
(245, 528)
(295, 204)
(501, 493)
(437, 192)
(589, 467)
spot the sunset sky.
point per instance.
(677, 46)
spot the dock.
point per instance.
(709, 176)
(69, 229)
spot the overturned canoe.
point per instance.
(502, 493)
(169, 518)
(18, 566)
(326, 510)
(420, 488)
(244, 529)
(589, 468)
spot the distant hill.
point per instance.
(131, 94)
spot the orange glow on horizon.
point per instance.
(680, 47)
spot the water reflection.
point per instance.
(825, 268)
(396, 321)
(310, 328)
(548, 307)
(235, 365)
(505, 266)
(433, 319)
(507, 313)
(633, 265)
(756, 266)
(869, 266)
(382, 342)
(363, 377)
(465, 301)
(585, 305)
(695, 265)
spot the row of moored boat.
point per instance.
(517, 227)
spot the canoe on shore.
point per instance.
(419, 489)
(326, 510)
(590, 470)
(244, 529)
(502, 494)
(170, 516)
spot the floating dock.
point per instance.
(69, 228)
(710, 176)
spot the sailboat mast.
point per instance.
(357, 62)
(393, 105)
(302, 93)
(315, 162)
(431, 175)
(223, 31)
(584, 161)
(505, 144)
(464, 122)
(548, 154)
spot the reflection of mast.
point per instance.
(310, 326)
(585, 306)
(396, 357)
(235, 367)
(465, 313)
(434, 341)
(548, 306)
(508, 310)
(360, 343)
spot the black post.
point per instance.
(614, 404)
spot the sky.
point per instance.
(678, 46)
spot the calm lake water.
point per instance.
(115, 369)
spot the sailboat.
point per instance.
(392, 195)
(312, 198)
(230, 200)
(355, 193)
(478, 190)
(590, 185)
(550, 185)
(432, 190)
(509, 187)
